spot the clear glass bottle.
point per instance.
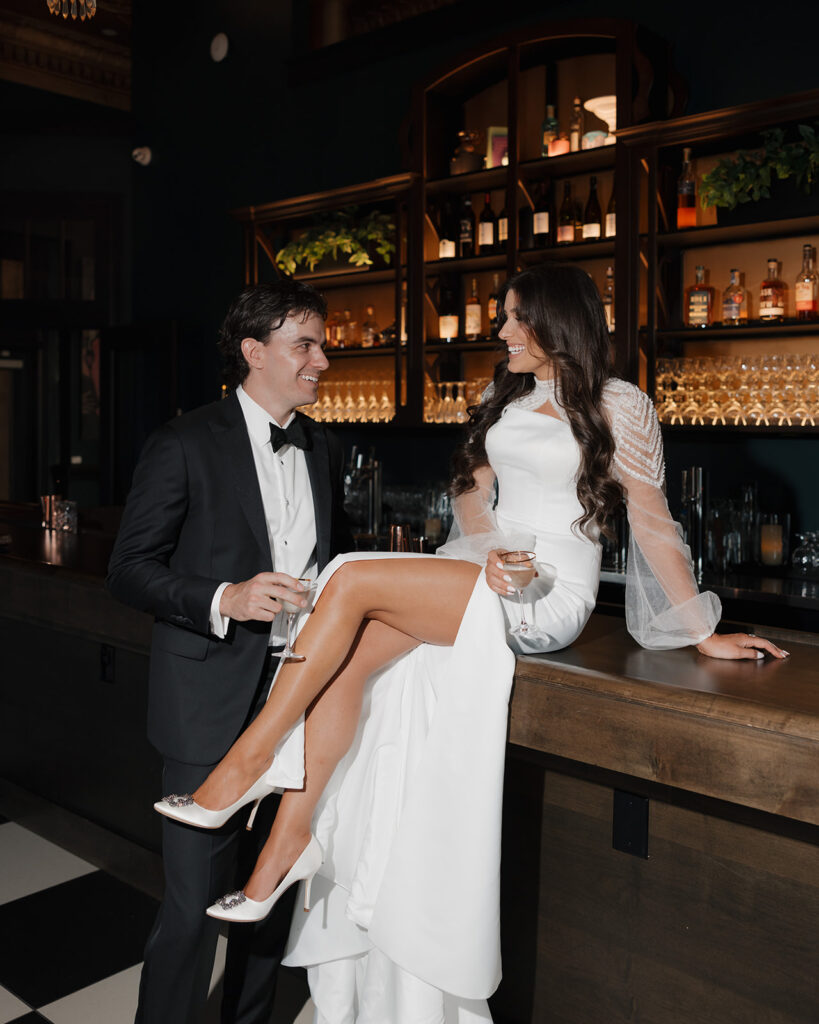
(541, 224)
(565, 219)
(686, 194)
(699, 301)
(805, 292)
(487, 223)
(549, 130)
(472, 318)
(592, 215)
(370, 331)
(576, 126)
(772, 295)
(735, 301)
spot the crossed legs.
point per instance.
(369, 613)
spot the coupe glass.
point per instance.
(288, 654)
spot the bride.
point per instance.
(396, 810)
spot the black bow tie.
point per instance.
(295, 434)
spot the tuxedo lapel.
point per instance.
(318, 469)
(232, 439)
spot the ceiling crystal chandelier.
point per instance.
(81, 9)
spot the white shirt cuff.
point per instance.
(219, 623)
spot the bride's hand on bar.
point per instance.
(736, 646)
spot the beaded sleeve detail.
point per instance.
(634, 424)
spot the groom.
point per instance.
(229, 505)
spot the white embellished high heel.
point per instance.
(185, 809)
(237, 907)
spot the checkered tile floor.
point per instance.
(72, 932)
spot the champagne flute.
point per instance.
(288, 654)
(520, 565)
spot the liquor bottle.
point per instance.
(331, 329)
(472, 318)
(466, 230)
(403, 337)
(611, 214)
(608, 298)
(503, 230)
(448, 233)
(699, 301)
(805, 292)
(487, 224)
(492, 304)
(525, 225)
(576, 126)
(592, 217)
(370, 331)
(549, 130)
(448, 319)
(686, 194)
(348, 331)
(541, 223)
(734, 302)
(565, 219)
(772, 295)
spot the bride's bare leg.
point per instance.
(424, 598)
(329, 730)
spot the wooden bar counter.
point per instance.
(709, 768)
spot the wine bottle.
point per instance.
(448, 319)
(565, 219)
(611, 213)
(503, 230)
(448, 233)
(472, 318)
(487, 224)
(592, 216)
(525, 225)
(608, 298)
(466, 232)
(541, 225)
(576, 126)
(686, 194)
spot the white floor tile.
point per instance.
(112, 1001)
(29, 863)
(10, 1006)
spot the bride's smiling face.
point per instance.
(525, 355)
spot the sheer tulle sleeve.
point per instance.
(664, 607)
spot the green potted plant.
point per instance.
(751, 175)
(338, 235)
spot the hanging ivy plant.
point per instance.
(338, 234)
(746, 176)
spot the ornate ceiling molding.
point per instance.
(87, 69)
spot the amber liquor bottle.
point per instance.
(699, 301)
(686, 194)
(772, 295)
(805, 292)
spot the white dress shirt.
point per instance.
(288, 509)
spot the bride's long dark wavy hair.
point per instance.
(560, 308)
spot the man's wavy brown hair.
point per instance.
(561, 309)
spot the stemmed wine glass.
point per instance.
(288, 654)
(520, 565)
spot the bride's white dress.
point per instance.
(404, 927)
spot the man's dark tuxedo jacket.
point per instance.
(195, 519)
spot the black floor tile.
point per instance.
(61, 939)
(3, 819)
(30, 1018)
